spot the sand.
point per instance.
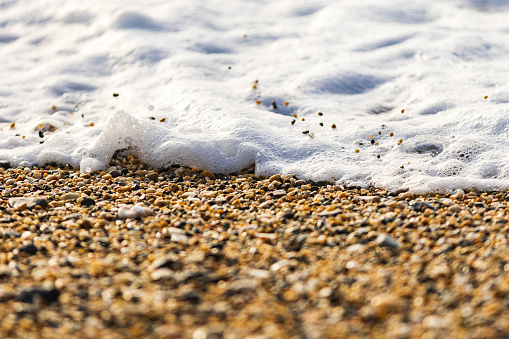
(184, 253)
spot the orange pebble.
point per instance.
(287, 103)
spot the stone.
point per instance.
(385, 240)
(152, 176)
(51, 177)
(5, 164)
(29, 295)
(87, 202)
(207, 174)
(386, 303)
(136, 211)
(160, 202)
(29, 249)
(69, 196)
(30, 202)
(115, 173)
(278, 193)
(330, 213)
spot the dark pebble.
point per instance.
(152, 176)
(191, 297)
(87, 202)
(48, 295)
(115, 173)
(5, 164)
(30, 249)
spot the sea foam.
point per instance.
(222, 86)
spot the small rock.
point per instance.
(386, 303)
(406, 195)
(357, 248)
(11, 234)
(168, 262)
(278, 193)
(275, 177)
(49, 295)
(330, 213)
(181, 238)
(107, 176)
(85, 223)
(69, 196)
(433, 321)
(258, 273)
(439, 270)
(208, 194)
(191, 297)
(162, 274)
(21, 207)
(136, 211)
(207, 174)
(152, 176)
(30, 202)
(372, 198)
(87, 202)
(266, 236)
(29, 249)
(174, 188)
(385, 240)
(160, 202)
(241, 286)
(115, 173)
(455, 208)
(52, 177)
(5, 164)
(300, 182)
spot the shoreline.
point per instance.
(132, 252)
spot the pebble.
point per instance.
(389, 242)
(30, 249)
(209, 175)
(48, 295)
(69, 196)
(386, 303)
(278, 193)
(87, 202)
(152, 176)
(30, 203)
(5, 164)
(136, 211)
(51, 177)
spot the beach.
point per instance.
(184, 253)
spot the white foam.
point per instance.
(193, 64)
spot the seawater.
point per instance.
(222, 85)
